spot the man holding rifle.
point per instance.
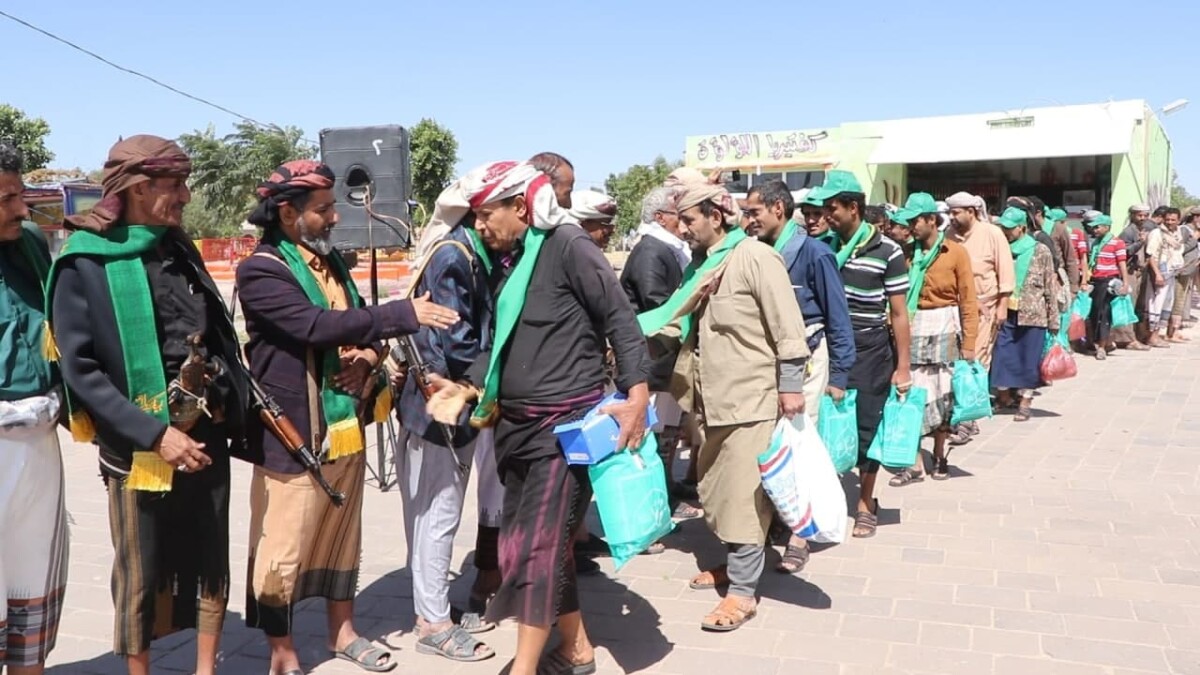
(149, 357)
(314, 348)
(434, 471)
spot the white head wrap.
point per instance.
(451, 206)
(592, 205)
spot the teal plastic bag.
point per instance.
(1082, 306)
(631, 498)
(837, 425)
(972, 400)
(1123, 313)
(898, 439)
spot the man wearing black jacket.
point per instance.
(131, 303)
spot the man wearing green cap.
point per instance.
(876, 281)
(943, 319)
(1107, 264)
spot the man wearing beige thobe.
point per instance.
(739, 369)
(992, 264)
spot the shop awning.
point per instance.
(972, 138)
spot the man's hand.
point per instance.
(968, 354)
(1159, 281)
(836, 394)
(631, 417)
(355, 376)
(1002, 312)
(791, 404)
(180, 451)
(448, 399)
(902, 379)
(433, 315)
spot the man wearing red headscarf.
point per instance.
(314, 346)
(148, 356)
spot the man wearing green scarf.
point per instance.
(33, 526)
(743, 362)
(876, 281)
(1032, 311)
(314, 346)
(130, 303)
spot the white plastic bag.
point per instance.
(813, 503)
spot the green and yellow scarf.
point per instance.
(121, 248)
(1022, 251)
(922, 260)
(656, 319)
(509, 306)
(340, 410)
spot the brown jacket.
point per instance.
(1061, 236)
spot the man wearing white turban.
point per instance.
(596, 213)
(558, 307)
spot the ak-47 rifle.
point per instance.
(410, 357)
(282, 428)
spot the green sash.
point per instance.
(121, 249)
(480, 250)
(339, 409)
(654, 320)
(922, 261)
(860, 239)
(1096, 248)
(509, 305)
(1022, 250)
(789, 231)
(831, 239)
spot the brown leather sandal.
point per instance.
(710, 579)
(731, 614)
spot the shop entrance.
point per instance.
(1075, 183)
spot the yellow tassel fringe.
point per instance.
(345, 439)
(383, 405)
(150, 473)
(49, 344)
(82, 429)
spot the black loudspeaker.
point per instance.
(374, 159)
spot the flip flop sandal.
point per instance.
(906, 477)
(866, 522)
(455, 644)
(297, 671)
(960, 435)
(1023, 414)
(715, 579)
(657, 548)
(794, 559)
(556, 663)
(686, 511)
(728, 617)
(367, 656)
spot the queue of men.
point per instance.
(726, 317)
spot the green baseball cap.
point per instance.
(1013, 218)
(1100, 220)
(836, 182)
(918, 203)
(1056, 215)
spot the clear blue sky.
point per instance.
(608, 84)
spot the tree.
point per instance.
(630, 187)
(28, 134)
(433, 152)
(226, 171)
(1180, 197)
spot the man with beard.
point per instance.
(561, 172)
(1138, 225)
(876, 281)
(33, 524)
(821, 297)
(314, 346)
(558, 308)
(742, 356)
(149, 357)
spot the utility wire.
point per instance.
(135, 73)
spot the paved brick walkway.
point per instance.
(1069, 545)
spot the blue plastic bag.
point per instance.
(1123, 313)
(837, 425)
(631, 498)
(898, 439)
(972, 400)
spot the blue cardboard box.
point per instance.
(591, 439)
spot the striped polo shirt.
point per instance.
(1108, 259)
(871, 276)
